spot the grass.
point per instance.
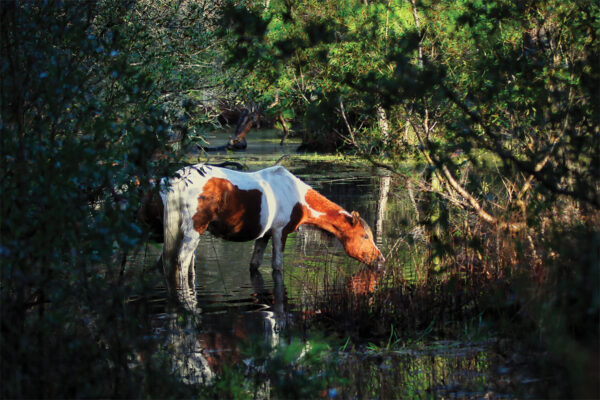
(256, 161)
(533, 293)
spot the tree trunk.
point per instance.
(384, 125)
(384, 184)
(384, 190)
(284, 126)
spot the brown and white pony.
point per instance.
(243, 206)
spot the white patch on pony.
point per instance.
(315, 213)
(268, 199)
(303, 189)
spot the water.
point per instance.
(236, 307)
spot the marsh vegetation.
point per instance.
(466, 134)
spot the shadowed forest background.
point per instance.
(487, 113)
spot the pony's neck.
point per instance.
(325, 214)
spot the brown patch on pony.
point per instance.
(321, 204)
(349, 228)
(228, 211)
(295, 218)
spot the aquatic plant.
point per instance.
(293, 369)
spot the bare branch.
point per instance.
(458, 188)
(350, 130)
(533, 170)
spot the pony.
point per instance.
(241, 206)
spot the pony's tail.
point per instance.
(173, 233)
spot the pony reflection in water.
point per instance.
(240, 206)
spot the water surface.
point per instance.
(235, 306)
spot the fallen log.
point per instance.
(238, 141)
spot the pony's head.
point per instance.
(359, 243)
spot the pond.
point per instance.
(237, 311)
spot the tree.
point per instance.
(89, 94)
(461, 82)
(517, 93)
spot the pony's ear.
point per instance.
(355, 217)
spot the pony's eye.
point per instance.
(365, 236)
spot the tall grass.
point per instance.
(536, 290)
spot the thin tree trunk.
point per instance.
(384, 125)
(284, 126)
(384, 185)
(418, 26)
(384, 190)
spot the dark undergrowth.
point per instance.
(535, 293)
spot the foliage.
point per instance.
(463, 77)
(293, 369)
(84, 110)
(496, 101)
(301, 59)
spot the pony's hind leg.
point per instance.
(259, 251)
(185, 285)
(192, 272)
(186, 254)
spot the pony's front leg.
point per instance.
(278, 245)
(260, 245)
